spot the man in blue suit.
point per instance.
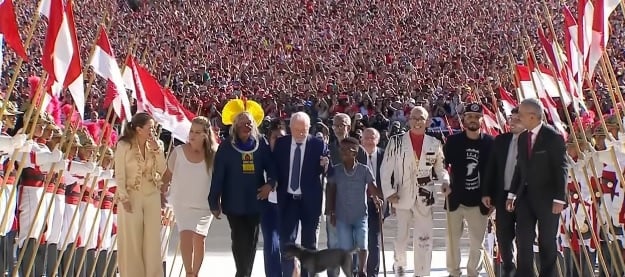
(375, 154)
(301, 160)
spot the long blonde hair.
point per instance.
(210, 144)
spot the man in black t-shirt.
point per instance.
(467, 153)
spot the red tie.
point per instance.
(529, 144)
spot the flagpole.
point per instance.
(18, 66)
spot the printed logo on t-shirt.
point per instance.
(473, 172)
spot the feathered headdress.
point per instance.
(235, 107)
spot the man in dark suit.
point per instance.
(496, 186)
(301, 160)
(375, 154)
(537, 193)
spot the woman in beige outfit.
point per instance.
(139, 165)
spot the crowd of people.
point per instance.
(368, 57)
(334, 69)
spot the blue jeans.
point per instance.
(271, 240)
(353, 235)
(333, 242)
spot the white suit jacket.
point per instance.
(400, 160)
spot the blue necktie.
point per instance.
(297, 159)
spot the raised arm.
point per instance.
(120, 171)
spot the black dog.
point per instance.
(315, 261)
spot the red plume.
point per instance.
(94, 131)
(33, 83)
(67, 110)
(54, 109)
(113, 139)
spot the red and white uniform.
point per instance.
(107, 218)
(612, 201)
(8, 197)
(88, 232)
(31, 214)
(73, 170)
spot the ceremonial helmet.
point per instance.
(583, 143)
(10, 109)
(235, 107)
(611, 121)
(86, 141)
(599, 131)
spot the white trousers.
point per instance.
(106, 229)
(420, 218)
(7, 213)
(31, 214)
(69, 230)
(55, 220)
(87, 228)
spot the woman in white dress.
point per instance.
(190, 168)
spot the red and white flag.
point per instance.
(158, 102)
(61, 57)
(508, 103)
(9, 28)
(105, 65)
(600, 31)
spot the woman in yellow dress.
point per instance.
(139, 165)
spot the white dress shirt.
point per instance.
(302, 149)
(372, 161)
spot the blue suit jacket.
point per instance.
(311, 171)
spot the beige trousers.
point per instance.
(139, 240)
(476, 223)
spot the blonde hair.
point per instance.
(254, 133)
(210, 144)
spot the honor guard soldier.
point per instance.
(32, 189)
(577, 222)
(8, 197)
(612, 204)
(69, 229)
(87, 241)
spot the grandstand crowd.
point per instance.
(376, 58)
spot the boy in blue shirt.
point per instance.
(349, 185)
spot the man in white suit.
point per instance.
(409, 158)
